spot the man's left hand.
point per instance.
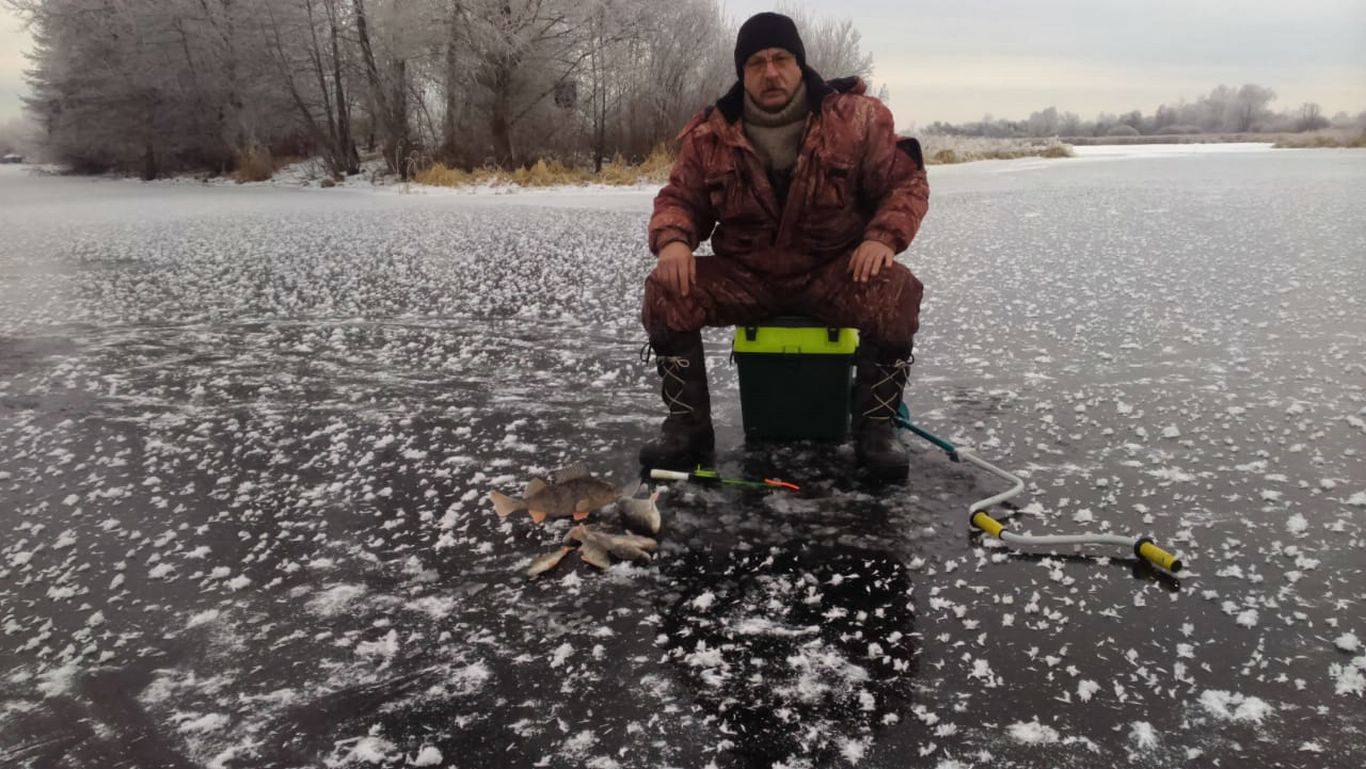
(869, 259)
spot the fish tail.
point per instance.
(506, 505)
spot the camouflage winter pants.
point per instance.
(885, 310)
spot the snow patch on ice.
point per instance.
(210, 722)
(471, 678)
(561, 654)
(332, 601)
(1032, 733)
(1086, 688)
(765, 626)
(428, 756)
(384, 648)
(579, 745)
(703, 601)
(853, 750)
(57, 681)
(1349, 678)
(371, 749)
(202, 618)
(1233, 706)
(1142, 735)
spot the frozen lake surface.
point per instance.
(247, 436)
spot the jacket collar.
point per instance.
(732, 104)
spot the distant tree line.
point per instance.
(1222, 110)
(156, 86)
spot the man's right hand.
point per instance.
(677, 267)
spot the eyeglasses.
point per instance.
(758, 63)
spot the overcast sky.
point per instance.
(959, 60)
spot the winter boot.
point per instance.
(686, 437)
(879, 380)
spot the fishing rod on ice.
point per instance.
(1143, 547)
(712, 477)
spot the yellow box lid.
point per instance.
(796, 340)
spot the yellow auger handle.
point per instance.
(1155, 555)
(988, 524)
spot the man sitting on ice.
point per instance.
(810, 193)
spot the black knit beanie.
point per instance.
(767, 30)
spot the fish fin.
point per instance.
(577, 534)
(641, 541)
(538, 516)
(536, 486)
(570, 473)
(595, 555)
(547, 562)
(625, 549)
(504, 504)
(632, 553)
(582, 508)
(630, 489)
(641, 514)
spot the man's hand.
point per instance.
(677, 266)
(868, 260)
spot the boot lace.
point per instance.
(671, 368)
(886, 390)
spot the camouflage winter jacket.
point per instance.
(854, 180)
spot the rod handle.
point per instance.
(988, 524)
(1145, 549)
(668, 475)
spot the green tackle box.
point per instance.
(796, 379)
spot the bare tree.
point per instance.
(834, 47)
(1310, 118)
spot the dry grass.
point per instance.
(255, 165)
(657, 165)
(654, 169)
(440, 176)
(941, 149)
(554, 173)
(1328, 137)
(551, 173)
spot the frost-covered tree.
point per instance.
(1044, 123)
(151, 86)
(834, 47)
